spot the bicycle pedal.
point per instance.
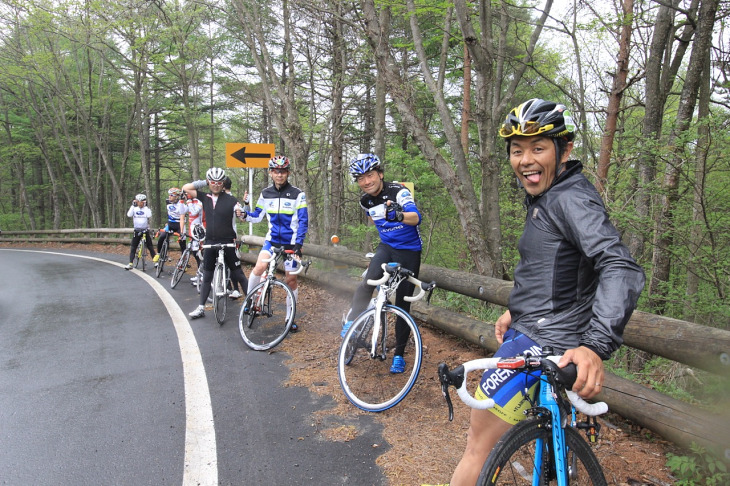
(592, 429)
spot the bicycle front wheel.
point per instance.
(367, 381)
(163, 257)
(512, 461)
(220, 295)
(182, 265)
(138, 255)
(266, 319)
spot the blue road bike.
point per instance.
(545, 448)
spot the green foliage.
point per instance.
(480, 310)
(698, 468)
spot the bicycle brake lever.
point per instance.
(443, 378)
(432, 286)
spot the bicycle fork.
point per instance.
(377, 323)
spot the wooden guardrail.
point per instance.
(689, 343)
(68, 236)
(685, 342)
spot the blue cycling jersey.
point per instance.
(396, 234)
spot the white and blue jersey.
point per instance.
(286, 210)
(395, 234)
(175, 211)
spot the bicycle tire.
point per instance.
(220, 296)
(199, 279)
(138, 254)
(143, 253)
(265, 321)
(163, 257)
(180, 267)
(511, 459)
(367, 382)
(358, 339)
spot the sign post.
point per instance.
(249, 156)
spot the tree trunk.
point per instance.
(661, 71)
(698, 199)
(466, 103)
(616, 95)
(664, 227)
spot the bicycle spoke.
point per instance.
(264, 322)
(367, 381)
(513, 460)
(220, 297)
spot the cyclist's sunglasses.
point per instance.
(279, 171)
(528, 128)
(215, 183)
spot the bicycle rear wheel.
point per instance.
(182, 265)
(266, 319)
(163, 257)
(366, 381)
(512, 461)
(220, 294)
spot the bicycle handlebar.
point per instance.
(389, 268)
(457, 378)
(423, 288)
(275, 251)
(381, 280)
(219, 246)
(302, 266)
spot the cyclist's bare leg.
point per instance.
(485, 429)
(291, 281)
(255, 277)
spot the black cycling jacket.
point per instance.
(576, 283)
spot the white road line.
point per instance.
(201, 457)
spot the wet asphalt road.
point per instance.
(103, 380)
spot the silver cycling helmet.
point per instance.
(215, 174)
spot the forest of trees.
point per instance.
(102, 100)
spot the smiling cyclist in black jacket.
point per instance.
(576, 284)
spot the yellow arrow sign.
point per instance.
(249, 155)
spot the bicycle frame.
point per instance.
(387, 286)
(220, 258)
(278, 254)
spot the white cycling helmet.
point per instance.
(215, 174)
(140, 197)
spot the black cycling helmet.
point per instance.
(539, 117)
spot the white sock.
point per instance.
(288, 300)
(253, 281)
